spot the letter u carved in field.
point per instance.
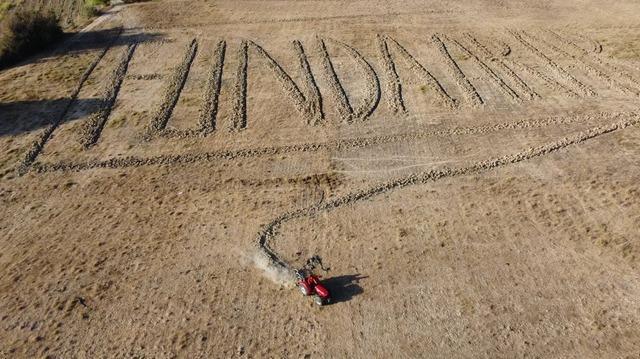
(347, 112)
(307, 103)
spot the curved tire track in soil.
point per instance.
(38, 144)
(270, 231)
(345, 109)
(336, 145)
(371, 101)
(596, 45)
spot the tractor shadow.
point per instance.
(343, 288)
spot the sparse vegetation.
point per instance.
(26, 32)
(27, 27)
(92, 8)
(70, 13)
(5, 7)
(117, 122)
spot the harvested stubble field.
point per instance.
(468, 171)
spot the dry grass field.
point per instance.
(469, 171)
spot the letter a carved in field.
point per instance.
(396, 103)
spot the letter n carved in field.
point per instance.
(307, 103)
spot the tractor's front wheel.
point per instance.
(318, 300)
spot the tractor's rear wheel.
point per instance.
(304, 289)
(318, 300)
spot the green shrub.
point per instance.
(92, 7)
(5, 6)
(90, 11)
(25, 32)
(97, 2)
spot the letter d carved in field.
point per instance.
(347, 111)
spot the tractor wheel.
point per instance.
(304, 289)
(318, 300)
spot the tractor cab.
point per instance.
(309, 284)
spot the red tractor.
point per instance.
(309, 283)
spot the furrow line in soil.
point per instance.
(300, 101)
(497, 80)
(471, 95)
(549, 82)
(335, 87)
(172, 91)
(584, 65)
(313, 96)
(38, 144)
(433, 83)
(336, 145)
(594, 56)
(578, 86)
(393, 85)
(95, 124)
(372, 100)
(488, 56)
(211, 96)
